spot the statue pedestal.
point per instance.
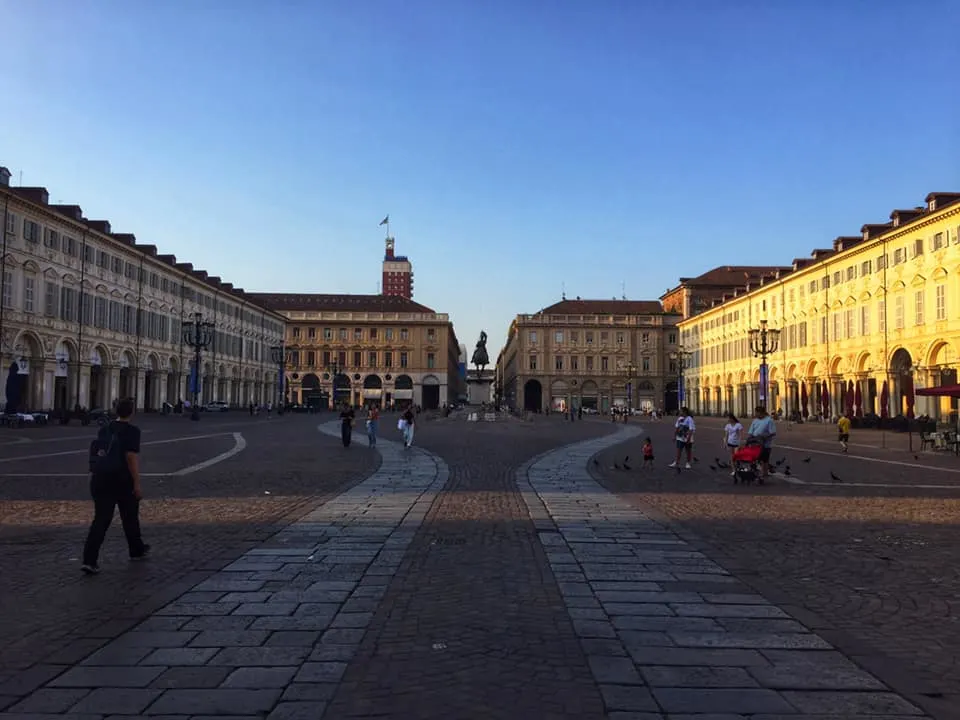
(480, 390)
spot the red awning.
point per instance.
(952, 391)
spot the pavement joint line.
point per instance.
(84, 451)
(901, 463)
(906, 486)
(239, 445)
(634, 630)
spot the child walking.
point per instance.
(648, 453)
(843, 430)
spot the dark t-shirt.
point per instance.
(408, 416)
(346, 418)
(128, 436)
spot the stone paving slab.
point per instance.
(269, 635)
(660, 647)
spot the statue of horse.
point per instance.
(480, 358)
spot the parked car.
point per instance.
(216, 406)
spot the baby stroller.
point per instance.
(746, 463)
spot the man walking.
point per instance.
(683, 431)
(115, 483)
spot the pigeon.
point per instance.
(806, 460)
(626, 460)
(713, 468)
(696, 459)
(596, 463)
(916, 457)
(616, 466)
(834, 477)
(627, 467)
(780, 462)
(787, 471)
(717, 461)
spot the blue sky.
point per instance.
(519, 146)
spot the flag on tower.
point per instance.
(385, 221)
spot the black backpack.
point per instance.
(106, 453)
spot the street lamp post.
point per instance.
(679, 356)
(334, 368)
(281, 356)
(630, 370)
(764, 341)
(198, 334)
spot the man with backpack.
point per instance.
(115, 483)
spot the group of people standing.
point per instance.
(762, 432)
(405, 424)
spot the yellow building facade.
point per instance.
(864, 324)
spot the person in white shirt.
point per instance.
(683, 431)
(732, 437)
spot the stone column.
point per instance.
(45, 396)
(113, 387)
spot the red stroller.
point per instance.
(746, 463)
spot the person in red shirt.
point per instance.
(648, 453)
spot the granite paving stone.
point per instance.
(697, 677)
(119, 701)
(719, 700)
(105, 676)
(797, 641)
(321, 672)
(268, 608)
(229, 638)
(179, 656)
(50, 700)
(219, 701)
(258, 678)
(298, 711)
(850, 703)
(613, 670)
(627, 697)
(293, 638)
(219, 622)
(191, 677)
(118, 655)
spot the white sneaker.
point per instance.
(687, 466)
(673, 464)
(733, 473)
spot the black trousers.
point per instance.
(346, 432)
(104, 502)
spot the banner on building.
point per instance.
(763, 384)
(680, 391)
(194, 381)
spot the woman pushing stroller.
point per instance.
(762, 431)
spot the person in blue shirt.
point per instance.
(763, 430)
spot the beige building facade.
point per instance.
(591, 354)
(365, 350)
(861, 325)
(88, 315)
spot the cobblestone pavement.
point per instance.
(481, 574)
(871, 562)
(50, 614)
(473, 626)
(666, 629)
